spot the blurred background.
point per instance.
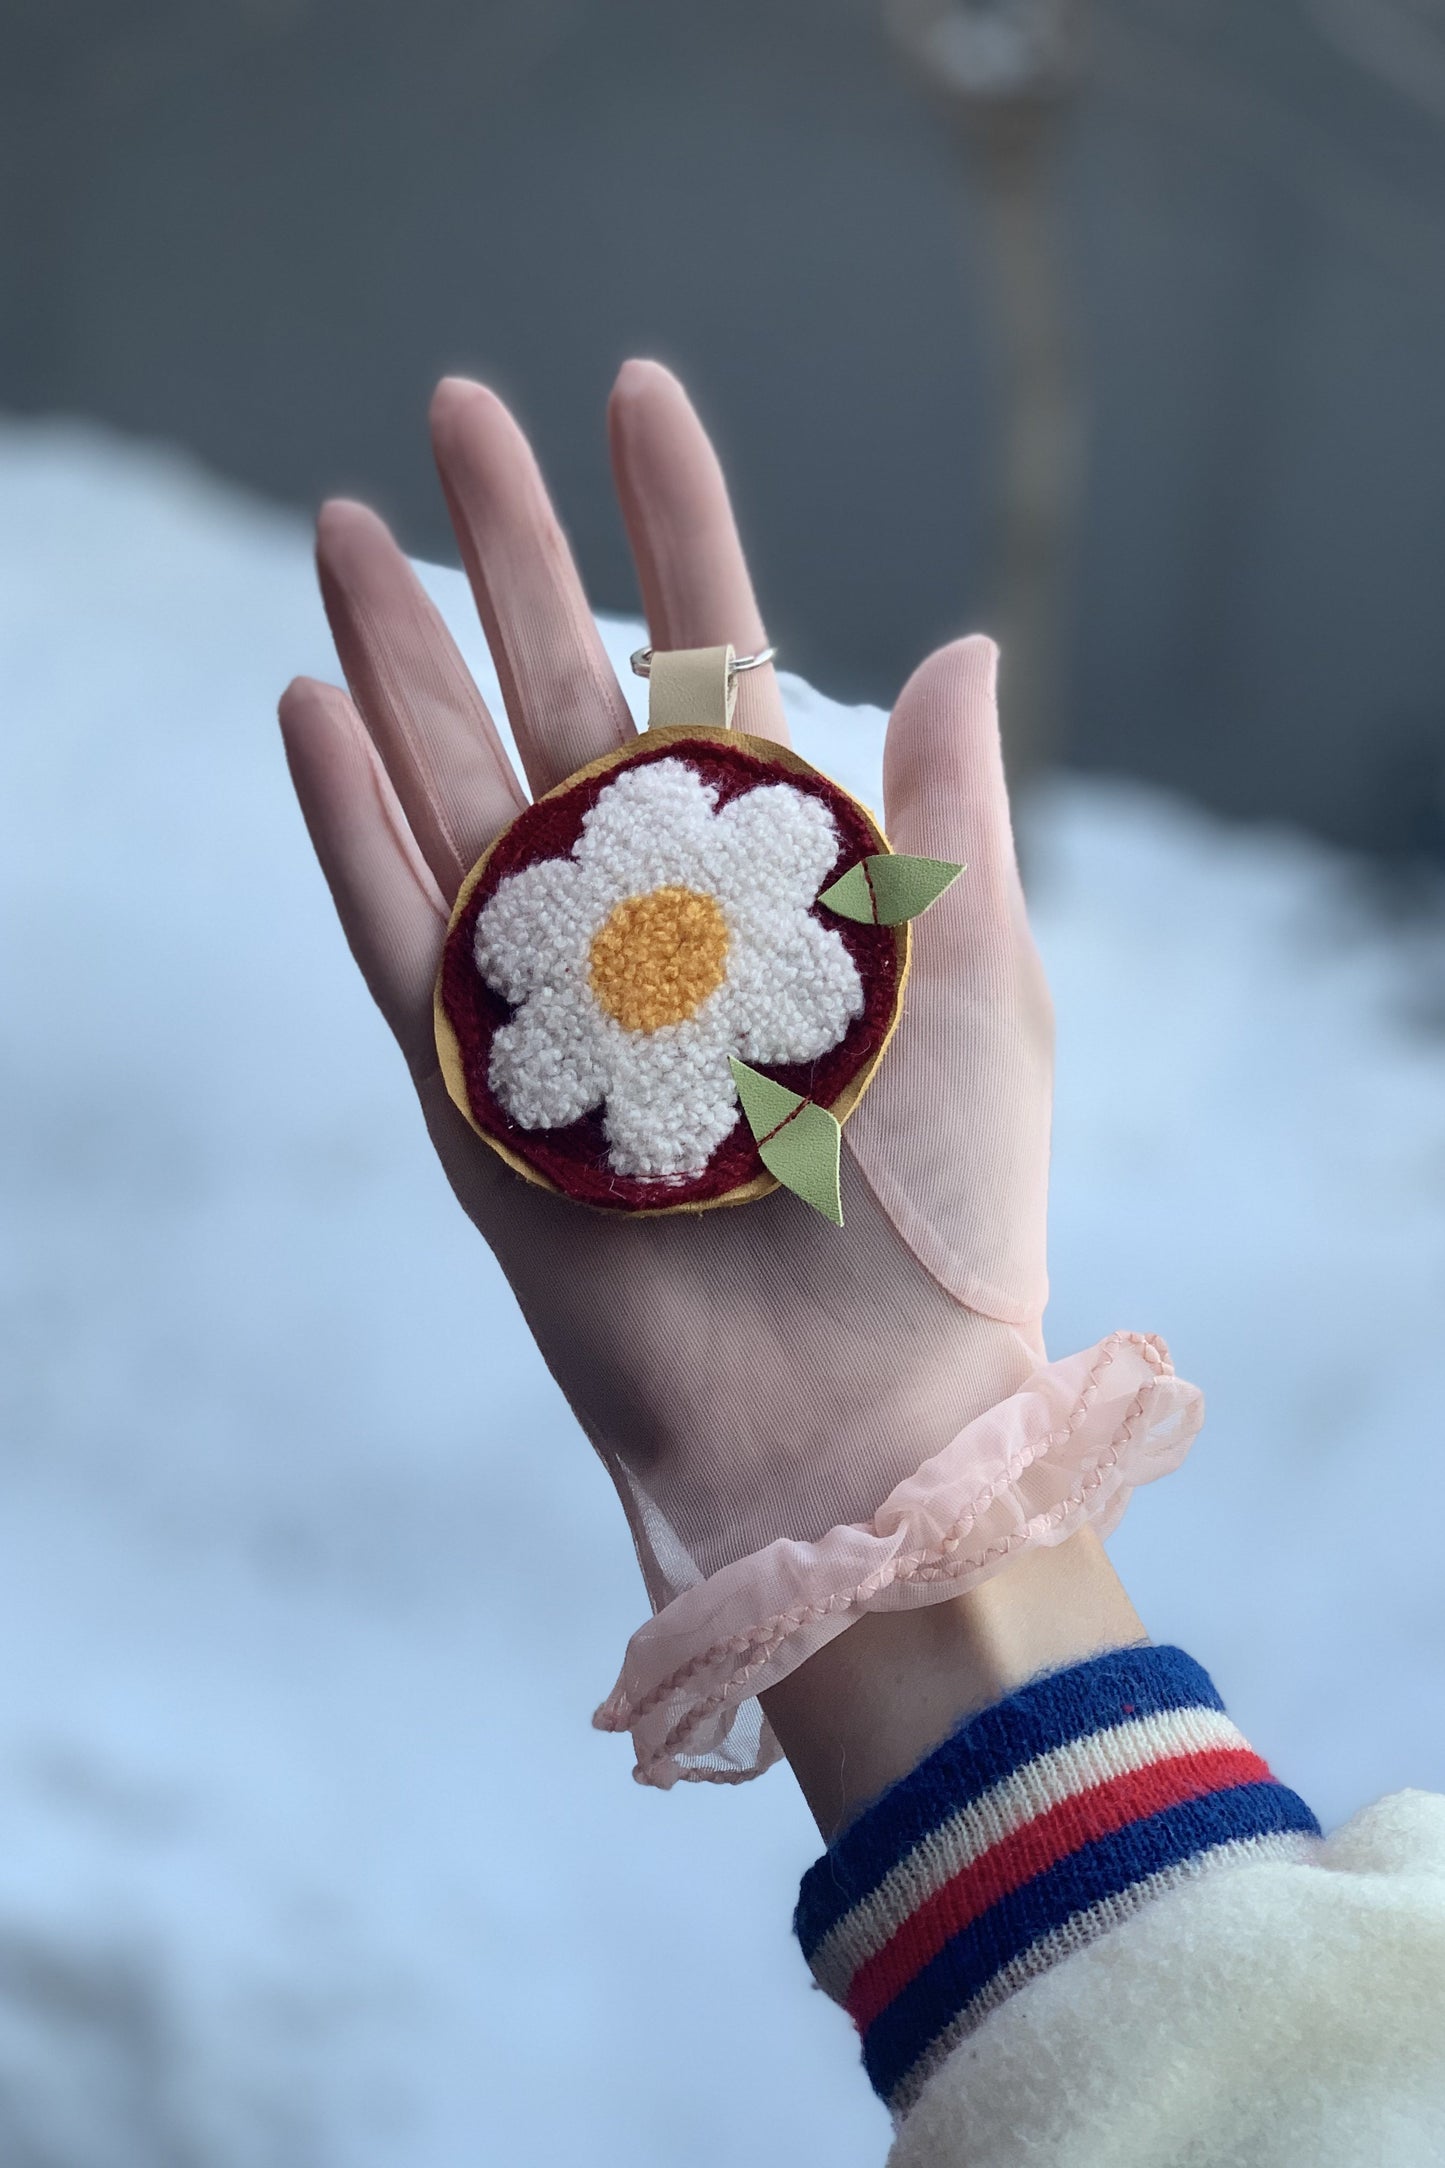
(1125, 313)
(1114, 327)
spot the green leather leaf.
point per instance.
(889, 887)
(765, 1103)
(804, 1157)
(850, 896)
(799, 1143)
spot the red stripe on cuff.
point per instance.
(1030, 1850)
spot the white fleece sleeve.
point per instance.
(1270, 2013)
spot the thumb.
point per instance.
(955, 1145)
(945, 795)
(943, 775)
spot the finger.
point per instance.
(945, 796)
(563, 701)
(427, 719)
(390, 906)
(696, 591)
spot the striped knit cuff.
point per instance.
(1040, 1824)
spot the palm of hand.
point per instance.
(715, 1360)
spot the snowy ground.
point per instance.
(311, 1859)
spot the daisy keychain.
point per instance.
(669, 982)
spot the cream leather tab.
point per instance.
(695, 686)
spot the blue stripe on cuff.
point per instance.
(1106, 1868)
(1039, 1718)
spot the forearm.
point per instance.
(867, 1708)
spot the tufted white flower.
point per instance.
(672, 936)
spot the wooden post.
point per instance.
(1002, 73)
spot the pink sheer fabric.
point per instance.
(1067, 1448)
(801, 1422)
(977, 1447)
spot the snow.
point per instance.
(311, 1858)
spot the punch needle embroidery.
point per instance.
(670, 980)
(672, 936)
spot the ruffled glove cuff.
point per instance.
(1067, 1449)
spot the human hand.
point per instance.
(760, 1385)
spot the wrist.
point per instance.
(869, 1705)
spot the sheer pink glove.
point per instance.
(801, 1423)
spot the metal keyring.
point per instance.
(642, 661)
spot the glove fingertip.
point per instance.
(942, 753)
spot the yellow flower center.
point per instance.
(657, 957)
